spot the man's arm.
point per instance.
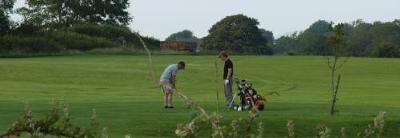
(228, 76)
(173, 81)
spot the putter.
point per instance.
(162, 89)
(233, 99)
(238, 83)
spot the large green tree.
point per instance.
(5, 9)
(185, 34)
(287, 45)
(386, 39)
(360, 40)
(59, 13)
(314, 39)
(268, 35)
(105, 11)
(237, 33)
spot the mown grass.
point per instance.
(128, 101)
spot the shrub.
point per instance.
(28, 40)
(386, 50)
(291, 53)
(111, 32)
(56, 123)
(25, 29)
(76, 41)
(118, 34)
(24, 46)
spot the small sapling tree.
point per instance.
(335, 62)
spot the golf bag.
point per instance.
(249, 98)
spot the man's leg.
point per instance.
(170, 99)
(165, 99)
(228, 94)
(165, 90)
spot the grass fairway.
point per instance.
(127, 102)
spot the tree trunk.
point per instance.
(334, 84)
(334, 96)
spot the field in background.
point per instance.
(127, 100)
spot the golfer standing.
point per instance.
(228, 73)
(168, 82)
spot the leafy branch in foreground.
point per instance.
(53, 124)
(250, 128)
(203, 120)
(376, 128)
(291, 130)
(57, 123)
(322, 131)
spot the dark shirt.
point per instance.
(228, 64)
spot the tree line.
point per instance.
(52, 26)
(241, 34)
(378, 39)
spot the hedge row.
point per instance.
(51, 43)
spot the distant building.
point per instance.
(191, 45)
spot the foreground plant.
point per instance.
(249, 127)
(290, 127)
(376, 128)
(322, 131)
(53, 124)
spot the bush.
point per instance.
(386, 50)
(25, 29)
(56, 123)
(118, 34)
(28, 40)
(76, 41)
(263, 50)
(25, 46)
(111, 32)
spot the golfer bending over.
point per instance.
(168, 82)
(228, 73)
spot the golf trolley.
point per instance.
(248, 97)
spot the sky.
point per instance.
(160, 18)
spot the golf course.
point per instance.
(124, 92)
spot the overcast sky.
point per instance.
(160, 18)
